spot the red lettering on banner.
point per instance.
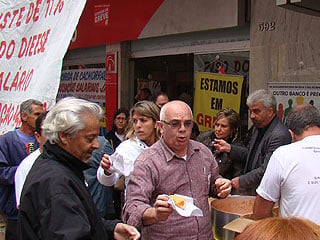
(36, 11)
(5, 20)
(21, 80)
(87, 87)
(7, 16)
(7, 50)
(58, 7)
(67, 87)
(5, 87)
(205, 120)
(103, 88)
(29, 48)
(10, 114)
(33, 12)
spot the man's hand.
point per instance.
(221, 145)
(105, 163)
(124, 232)
(160, 211)
(235, 183)
(223, 187)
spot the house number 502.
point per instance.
(267, 26)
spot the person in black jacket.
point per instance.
(55, 202)
(226, 127)
(268, 134)
(115, 136)
(119, 125)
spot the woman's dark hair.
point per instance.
(117, 112)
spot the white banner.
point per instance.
(34, 38)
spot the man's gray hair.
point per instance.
(263, 96)
(67, 117)
(25, 106)
(301, 117)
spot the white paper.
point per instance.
(189, 210)
(118, 164)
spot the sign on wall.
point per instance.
(34, 37)
(214, 92)
(88, 84)
(111, 86)
(290, 94)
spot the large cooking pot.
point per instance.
(225, 210)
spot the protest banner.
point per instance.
(214, 92)
(34, 38)
(89, 84)
(290, 94)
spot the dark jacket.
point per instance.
(12, 152)
(228, 168)
(113, 139)
(275, 136)
(55, 203)
(102, 195)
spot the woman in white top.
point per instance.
(142, 133)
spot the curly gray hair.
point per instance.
(66, 116)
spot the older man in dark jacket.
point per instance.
(268, 134)
(55, 202)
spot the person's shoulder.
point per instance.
(29, 160)
(279, 125)
(110, 134)
(8, 135)
(127, 143)
(7, 139)
(45, 171)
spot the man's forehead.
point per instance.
(36, 108)
(179, 116)
(177, 111)
(257, 105)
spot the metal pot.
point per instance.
(225, 210)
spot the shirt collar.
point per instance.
(169, 154)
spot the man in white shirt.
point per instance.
(26, 164)
(292, 176)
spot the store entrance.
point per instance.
(175, 75)
(172, 74)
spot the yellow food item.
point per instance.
(178, 201)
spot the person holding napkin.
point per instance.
(173, 165)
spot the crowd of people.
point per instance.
(60, 180)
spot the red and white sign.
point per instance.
(107, 21)
(87, 83)
(111, 86)
(34, 37)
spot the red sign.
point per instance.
(108, 21)
(111, 86)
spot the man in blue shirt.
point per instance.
(14, 147)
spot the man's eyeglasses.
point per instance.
(176, 124)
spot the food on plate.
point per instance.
(178, 201)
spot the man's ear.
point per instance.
(271, 112)
(24, 116)
(159, 125)
(37, 136)
(64, 138)
(293, 136)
